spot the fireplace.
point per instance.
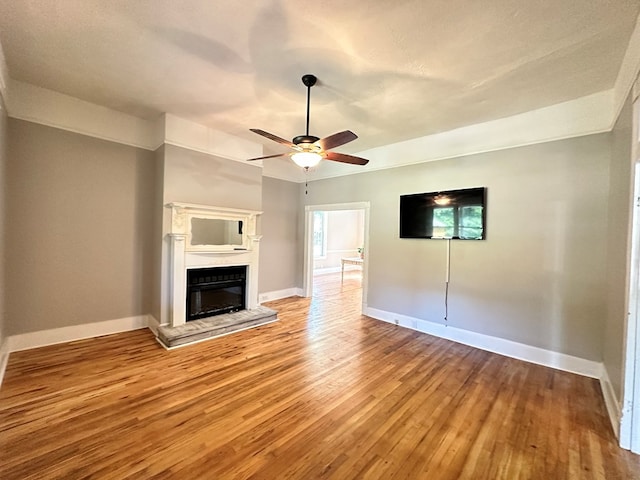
(214, 291)
(190, 296)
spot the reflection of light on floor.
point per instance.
(334, 300)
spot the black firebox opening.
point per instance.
(214, 291)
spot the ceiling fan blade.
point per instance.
(344, 158)
(268, 156)
(273, 137)
(337, 139)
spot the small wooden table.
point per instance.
(350, 261)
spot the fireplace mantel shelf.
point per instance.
(222, 252)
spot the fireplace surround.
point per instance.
(208, 237)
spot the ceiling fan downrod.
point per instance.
(309, 81)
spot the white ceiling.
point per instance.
(388, 70)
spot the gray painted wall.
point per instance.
(3, 223)
(195, 177)
(280, 244)
(620, 201)
(81, 215)
(540, 276)
(84, 213)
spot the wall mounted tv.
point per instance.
(458, 214)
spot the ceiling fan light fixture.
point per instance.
(306, 159)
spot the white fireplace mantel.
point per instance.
(189, 252)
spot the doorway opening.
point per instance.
(336, 248)
(629, 410)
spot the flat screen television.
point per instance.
(458, 214)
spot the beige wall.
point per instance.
(280, 243)
(3, 224)
(620, 201)
(80, 246)
(540, 276)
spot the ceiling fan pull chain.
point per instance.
(306, 180)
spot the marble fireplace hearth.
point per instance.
(216, 326)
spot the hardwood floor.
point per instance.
(323, 393)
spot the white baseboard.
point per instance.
(4, 357)
(43, 338)
(520, 351)
(501, 346)
(324, 271)
(278, 294)
(614, 407)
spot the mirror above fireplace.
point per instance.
(213, 229)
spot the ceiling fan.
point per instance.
(309, 150)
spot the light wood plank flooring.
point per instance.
(323, 393)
